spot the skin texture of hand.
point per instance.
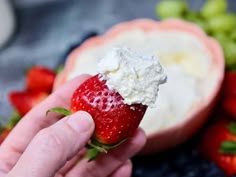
(41, 146)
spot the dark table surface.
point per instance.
(46, 29)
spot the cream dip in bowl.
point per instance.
(194, 65)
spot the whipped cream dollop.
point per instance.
(134, 76)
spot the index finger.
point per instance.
(34, 121)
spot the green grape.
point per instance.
(229, 47)
(171, 8)
(222, 38)
(196, 18)
(222, 23)
(230, 54)
(192, 16)
(233, 35)
(214, 7)
(203, 25)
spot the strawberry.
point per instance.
(12, 121)
(229, 105)
(219, 145)
(4, 134)
(40, 78)
(229, 85)
(24, 101)
(229, 93)
(114, 120)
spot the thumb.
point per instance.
(52, 147)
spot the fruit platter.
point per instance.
(190, 128)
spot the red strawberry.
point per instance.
(4, 134)
(219, 145)
(229, 93)
(24, 101)
(229, 85)
(4, 131)
(39, 78)
(229, 105)
(114, 120)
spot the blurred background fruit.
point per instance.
(213, 17)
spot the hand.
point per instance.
(41, 146)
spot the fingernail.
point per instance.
(81, 121)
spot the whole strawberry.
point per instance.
(114, 120)
(219, 144)
(40, 78)
(24, 101)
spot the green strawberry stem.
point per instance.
(92, 154)
(107, 146)
(95, 148)
(228, 147)
(63, 111)
(13, 120)
(2, 128)
(96, 145)
(232, 128)
(59, 69)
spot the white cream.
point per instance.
(134, 76)
(176, 96)
(185, 60)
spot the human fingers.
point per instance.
(71, 163)
(52, 147)
(124, 170)
(33, 122)
(105, 164)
